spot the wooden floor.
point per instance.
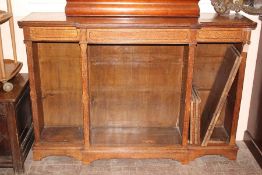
(208, 165)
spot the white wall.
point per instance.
(24, 7)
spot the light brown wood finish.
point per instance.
(2, 63)
(230, 67)
(147, 97)
(60, 95)
(240, 80)
(188, 93)
(37, 110)
(9, 69)
(129, 8)
(85, 70)
(137, 76)
(135, 137)
(45, 33)
(139, 36)
(205, 21)
(4, 16)
(195, 117)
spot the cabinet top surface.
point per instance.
(43, 19)
(19, 82)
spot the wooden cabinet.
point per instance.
(16, 129)
(121, 87)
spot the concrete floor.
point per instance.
(208, 165)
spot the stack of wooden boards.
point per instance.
(195, 118)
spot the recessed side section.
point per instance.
(61, 90)
(136, 92)
(211, 72)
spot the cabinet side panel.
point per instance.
(5, 149)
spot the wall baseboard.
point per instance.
(253, 147)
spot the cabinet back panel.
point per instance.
(60, 83)
(135, 86)
(205, 94)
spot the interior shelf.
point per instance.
(11, 69)
(63, 135)
(219, 136)
(139, 137)
(4, 16)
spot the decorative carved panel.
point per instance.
(253, 7)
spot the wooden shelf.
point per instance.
(138, 137)
(219, 136)
(63, 135)
(131, 82)
(11, 69)
(4, 16)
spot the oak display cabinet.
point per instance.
(121, 87)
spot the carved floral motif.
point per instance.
(225, 6)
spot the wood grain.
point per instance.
(103, 8)
(135, 137)
(61, 95)
(127, 83)
(54, 33)
(139, 36)
(233, 35)
(230, 66)
(149, 97)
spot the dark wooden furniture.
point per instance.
(253, 134)
(16, 129)
(121, 87)
(171, 8)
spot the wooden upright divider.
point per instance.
(121, 87)
(85, 70)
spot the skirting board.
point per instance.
(253, 147)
